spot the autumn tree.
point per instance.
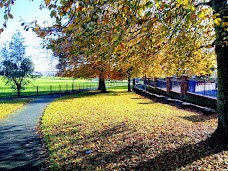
(98, 27)
(189, 10)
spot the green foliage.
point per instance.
(16, 66)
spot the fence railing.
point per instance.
(202, 87)
(53, 89)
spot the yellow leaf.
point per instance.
(217, 21)
(185, 2)
(47, 2)
(193, 8)
(134, 19)
(201, 14)
(70, 27)
(36, 29)
(144, 29)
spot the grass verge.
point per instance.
(124, 131)
(9, 106)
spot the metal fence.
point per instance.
(53, 89)
(202, 87)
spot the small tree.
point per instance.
(16, 66)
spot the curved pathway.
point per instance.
(20, 145)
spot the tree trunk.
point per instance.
(129, 82)
(99, 84)
(221, 50)
(18, 90)
(222, 100)
(103, 86)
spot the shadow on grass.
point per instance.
(177, 158)
(122, 157)
(137, 98)
(166, 160)
(199, 118)
(91, 93)
(144, 103)
(15, 101)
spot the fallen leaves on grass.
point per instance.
(8, 106)
(123, 131)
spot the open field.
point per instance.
(124, 131)
(46, 81)
(50, 85)
(9, 106)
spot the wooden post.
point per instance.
(168, 84)
(184, 85)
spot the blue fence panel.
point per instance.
(176, 85)
(161, 84)
(203, 87)
(152, 83)
(192, 86)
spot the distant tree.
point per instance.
(16, 65)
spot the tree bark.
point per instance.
(18, 90)
(103, 86)
(222, 99)
(221, 49)
(99, 84)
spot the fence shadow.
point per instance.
(199, 118)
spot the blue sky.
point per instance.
(29, 11)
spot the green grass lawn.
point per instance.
(124, 131)
(9, 106)
(50, 85)
(47, 81)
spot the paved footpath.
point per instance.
(20, 145)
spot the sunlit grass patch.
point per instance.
(9, 106)
(123, 131)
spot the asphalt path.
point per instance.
(21, 148)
